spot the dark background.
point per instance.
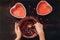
(51, 22)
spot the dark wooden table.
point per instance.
(51, 22)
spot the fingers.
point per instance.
(39, 27)
(19, 29)
(16, 27)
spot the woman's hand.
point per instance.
(39, 29)
(17, 31)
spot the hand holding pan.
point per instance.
(27, 28)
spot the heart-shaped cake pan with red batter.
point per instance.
(43, 8)
(18, 10)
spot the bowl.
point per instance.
(27, 27)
